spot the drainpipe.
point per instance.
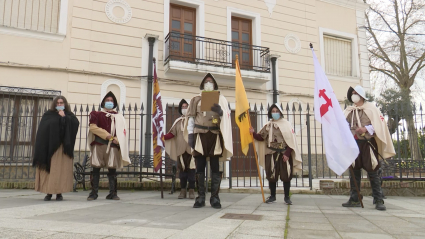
(275, 91)
(148, 132)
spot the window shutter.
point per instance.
(338, 56)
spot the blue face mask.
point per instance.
(109, 105)
(60, 108)
(276, 116)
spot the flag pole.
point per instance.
(256, 158)
(355, 184)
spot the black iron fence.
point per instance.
(20, 115)
(209, 51)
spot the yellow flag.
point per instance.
(242, 111)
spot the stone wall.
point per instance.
(390, 188)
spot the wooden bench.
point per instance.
(137, 162)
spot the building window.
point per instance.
(35, 15)
(183, 32)
(20, 113)
(338, 56)
(242, 41)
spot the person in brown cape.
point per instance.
(108, 142)
(180, 151)
(278, 152)
(209, 133)
(373, 138)
(54, 150)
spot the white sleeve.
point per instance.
(191, 125)
(370, 129)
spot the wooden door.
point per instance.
(242, 41)
(182, 30)
(243, 165)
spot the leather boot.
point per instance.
(200, 200)
(191, 193)
(286, 188)
(354, 198)
(112, 177)
(182, 194)
(375, 183)
(272, 198)
(215, 189)
(94, 181)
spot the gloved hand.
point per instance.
(191, 140)
(217, 108)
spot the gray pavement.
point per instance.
(142, 214)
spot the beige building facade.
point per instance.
(84, 48)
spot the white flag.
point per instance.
(340, 146)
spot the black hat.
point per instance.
(274, 106)
(203, 80)
(109, 94)
(183, 101)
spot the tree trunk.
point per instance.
(412, 133)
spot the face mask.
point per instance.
(109, 105)
(208, 86)
(60, 108)
(276, 116)
(184, 111)
(355, 98)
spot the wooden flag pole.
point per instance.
(256, 158)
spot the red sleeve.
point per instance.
(168, 136)
(257, 137)
(288, 152)
(93, 118)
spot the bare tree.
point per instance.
(396, 44)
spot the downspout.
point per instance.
(148, 132)
(275, 91)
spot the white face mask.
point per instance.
(355, 98)
(208, 86)
(184, 111)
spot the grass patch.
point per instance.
(287, 223)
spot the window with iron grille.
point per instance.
(21, 110)
(35, 15)
(338, 56)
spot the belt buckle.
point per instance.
(280, 146)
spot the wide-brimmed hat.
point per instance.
(274, 106)
(205, 77)
(183, 101)
(360, 91)
(109, 94)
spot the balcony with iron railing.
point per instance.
(185, 52)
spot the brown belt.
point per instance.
(207, 127)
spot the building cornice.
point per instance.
(352, 4)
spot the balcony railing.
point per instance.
(208, 51)
(35, 15)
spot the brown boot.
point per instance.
(182, 194)
(191, 193)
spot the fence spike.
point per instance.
(123, 107)
(118, 108)
(268, 106)
(300, 108)
(287, 106)
(27, 110)
(142, 107)
(45, 109)
(420, 107)
(308, 107)
(75, 108)
(281, 106)
(255, 107)
(99, 108)
(129, 107)
(87, 108)
(261, 107)
(93, 109)
(81, 108)
(135, 106)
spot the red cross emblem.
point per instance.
(325, 107)
(124, 133)
(382, 117)
(293, 131)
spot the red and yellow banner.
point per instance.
(157, 124)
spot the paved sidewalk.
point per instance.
(141, 214)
